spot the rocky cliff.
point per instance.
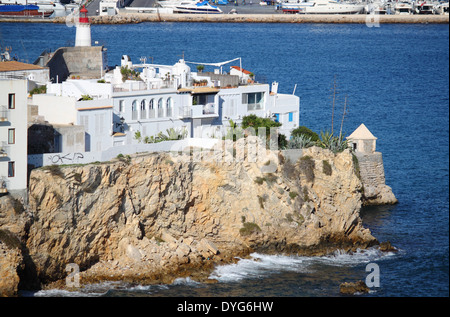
(151, 218)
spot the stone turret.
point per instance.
(362, 140)
(371, 167)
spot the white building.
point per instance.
(13, 136)
(163, 97)
(35, 74)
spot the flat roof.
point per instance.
(10, 66)
(200, 90)
(95, 108)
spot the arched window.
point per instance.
(143, 110)
(169, 107)
(151, 108)
(160, 108)
(134, 112)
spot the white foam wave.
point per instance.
(260, 265)
(185, 281)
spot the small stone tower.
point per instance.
(371, 168)
(83, 35)
(362, 140)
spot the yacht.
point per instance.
(58, 7)
(443, 8)
(403, 7)
(190, 6)
(323, 7)
(376, 7)
(424, 7)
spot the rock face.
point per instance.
(160, 216)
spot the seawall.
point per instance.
(130, 18)
(371, 172)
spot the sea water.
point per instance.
(396, 79)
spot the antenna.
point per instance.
(334, 101)
(343, 116)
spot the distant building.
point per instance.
(35, 74)
(13, 136)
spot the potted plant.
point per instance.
(200, 68)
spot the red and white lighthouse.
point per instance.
(83, 35)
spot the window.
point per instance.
(134, 114)
(143, 110)
(253, 100)
(121, 107)
(11, 101)
(169, 107)
(291, 116)
(11, 136)
(277, 117)
(11, 169)
(151, 108)
(160, 108)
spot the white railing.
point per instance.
(3, 185)
(4, 149)
(3, 113)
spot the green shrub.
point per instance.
(292, 195)
(259, 180)
(249, 228)
(307, 165)
(261, 200)
(304, 131)
(38, 90)
(356, 166)
(9, 239)
(326, 168)
(54, 170)
(305, 194)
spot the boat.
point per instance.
(190, 6)
(376, 7)
(443, 8)
(59, 7)
(403, 7)
(322, 7)
(18, 10)
(424, 8)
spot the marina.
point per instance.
(223, 11)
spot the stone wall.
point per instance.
(371, 170)
(86, 62)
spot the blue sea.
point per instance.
(396, 79)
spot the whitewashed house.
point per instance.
(13, 136)
(159, 98)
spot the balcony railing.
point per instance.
(254, 106)
(197, 111)
(3, 185)
(4, 150)
(3, 113)
(185, 112)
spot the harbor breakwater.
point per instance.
(130, 18)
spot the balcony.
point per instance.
(3, 185)
(210, 110)
(3, 114)
(4, 150)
